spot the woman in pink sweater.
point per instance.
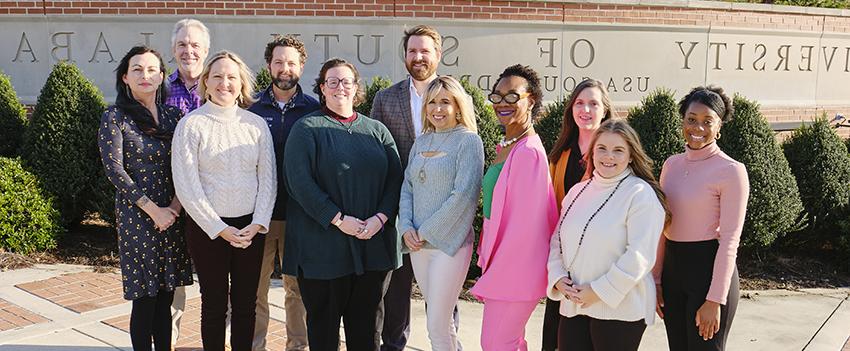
(707, 193)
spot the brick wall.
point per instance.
(719, 14)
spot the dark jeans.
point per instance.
(688, 269)
(222, 268)
(151, 318)
(583, 333)
(354, 298)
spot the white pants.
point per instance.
(441, 277)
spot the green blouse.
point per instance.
(487, 185)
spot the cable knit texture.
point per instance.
(223, 164)
(618, 250)
(707, 192)
(442, 208)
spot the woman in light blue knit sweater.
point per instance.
(439, 197)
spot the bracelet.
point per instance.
(382, 223)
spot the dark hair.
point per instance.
(285, 40)
(532, 85)
(359, 96)
(569, 128)
(711, 96)
(129, 106)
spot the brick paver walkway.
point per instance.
(79, 292)
(13, 316)
(190, 329)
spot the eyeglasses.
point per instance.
(334, 82)
(510, 98)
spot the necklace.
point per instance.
(346, 126)
(421, 174)
(583, 231)
(505, 143)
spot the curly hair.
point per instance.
(532, 85)
(359, 96)
(712, 96)
(285, 40)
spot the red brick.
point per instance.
(117, 11)
(225, 12)
(284, 13)
(214, 5)
(186, 11)
(306, 13)
(264, 12)
(118, 4)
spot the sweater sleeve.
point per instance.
(111, 145)
(266, 179)
(555, 266)
(658, 268)
(450, 218)
(187, 180)
(644, 222)
(405, 203)
(299, 168)
(395, 176)
(734, 193)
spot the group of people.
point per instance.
(214, 179)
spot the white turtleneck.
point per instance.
(618, 250)
(223, 165)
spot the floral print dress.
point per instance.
(140, 165)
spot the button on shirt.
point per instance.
(415, 108)
(184, 98)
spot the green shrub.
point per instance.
(28, 221)
(60, 145)
(659, 126)
(263, 79)
(548, 126)
(774, 207)
(821, 164)
(13, 118)
(378, 83)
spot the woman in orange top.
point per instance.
(588, 107)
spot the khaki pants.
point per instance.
(296, 317)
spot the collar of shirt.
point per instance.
(297, 99)
(415, 108)
(174, 78)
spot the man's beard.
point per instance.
(420, 74)
(285, 84)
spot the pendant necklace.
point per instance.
(346, 126)
(421, 174)
(583, 231)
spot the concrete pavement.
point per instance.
(70, 308)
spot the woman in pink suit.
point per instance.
(519, 215)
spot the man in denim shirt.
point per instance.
(282, 104)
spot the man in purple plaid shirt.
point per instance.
(190, 44)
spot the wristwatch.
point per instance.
(338, 222)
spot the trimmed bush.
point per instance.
(378, 83)
(263, 79)
(488, 126)
(13, 118)
(60, 145)
(774, 207)
(659, 125)
(821, 164)
(548, 126)
(28, 221)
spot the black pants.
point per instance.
(582, 333)
(394, 314)
(151, 318)
(551, 320)
(354, 298)
(223, 268)
(685, 281)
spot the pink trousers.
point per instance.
(503, 327)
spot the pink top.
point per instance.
(707, 194)
(514, 245)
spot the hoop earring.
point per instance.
(717, 137)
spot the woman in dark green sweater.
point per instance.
(344, 175)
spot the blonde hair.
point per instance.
(423, 31)
(245, 98)
(640, 163)
(461, 99)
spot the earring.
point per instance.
(457, 116)
(718, 136)
(127, 89)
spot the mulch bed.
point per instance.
(94, 243)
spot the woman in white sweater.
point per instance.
(604, 246)
(224, 175)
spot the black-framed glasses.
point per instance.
(333, 82)
(510, 98)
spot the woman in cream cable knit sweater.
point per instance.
(224, 175)
(604, 246)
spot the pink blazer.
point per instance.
(514, 245)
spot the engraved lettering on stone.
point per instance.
(376, 56)
(806, 55)
(101, 47)
(716, 47)
(450, 45)
(687, 55)
(761, 57)
(591, 53)
(783, 57)
(326, 42)
(549, 46)
(21, 49)
(64, 45)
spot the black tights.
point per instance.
(151, 317)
